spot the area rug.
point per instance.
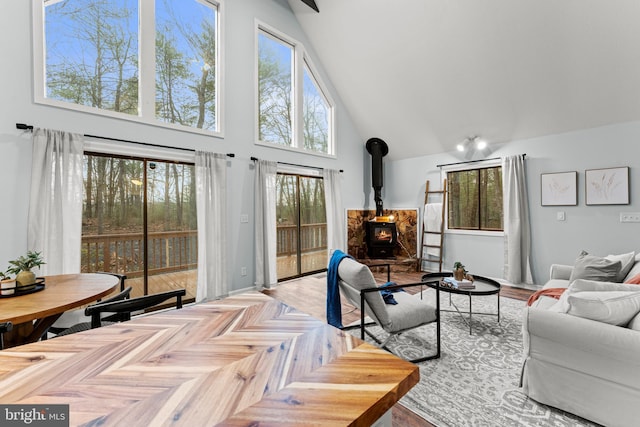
(475, 381)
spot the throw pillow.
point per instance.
(626, 260)
(635, 280)
(592, 267)
(635, 270)
(582, 285)
(613, 307)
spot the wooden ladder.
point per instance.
(424, 258)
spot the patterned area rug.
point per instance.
(475, 381)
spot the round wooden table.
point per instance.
(32, 314)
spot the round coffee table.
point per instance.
(483, 286)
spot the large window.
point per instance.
(475, 199)
(294, 109)
(144, 60)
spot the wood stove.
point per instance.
(381, 239)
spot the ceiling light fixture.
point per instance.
(472, 141)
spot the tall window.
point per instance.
(475, 199)
(145, 60)
(294, 109)
(302, 225)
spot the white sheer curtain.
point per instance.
(55, 207)
(211, 205)
(335, 214)
(265, 212)
(517, 229)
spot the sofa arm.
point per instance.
(575, 342)
(560, 271)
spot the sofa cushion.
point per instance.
(635, 270)
(613, 307)
(556, 283)
(582, 285)
(626, 262)
(592, 267)
(634, 323)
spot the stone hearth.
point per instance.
(405, 253)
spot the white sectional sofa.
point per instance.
(582, 352)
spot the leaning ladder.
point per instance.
(424, 257)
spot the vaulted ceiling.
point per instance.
(425, 74)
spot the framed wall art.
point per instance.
(608, 186)
(559, 188)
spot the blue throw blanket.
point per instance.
(334, 309)
(387, 294)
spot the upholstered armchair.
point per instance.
(357, 284)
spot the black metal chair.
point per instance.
(83, 326)
(4, 327)
(120, 311)
(72, 318)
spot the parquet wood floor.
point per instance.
(245, 360)
(308, 294)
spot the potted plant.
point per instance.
(22, 266)
(459, 271)
(7, 284)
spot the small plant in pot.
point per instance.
(7, 284)
(22, 266)
(459, 271)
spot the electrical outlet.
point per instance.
(560, 216)
(629, 216)
(243, 271)
(244, 218)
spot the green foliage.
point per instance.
(475, 199)
(26, 263)
(457, 265)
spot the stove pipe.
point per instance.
(378, 149)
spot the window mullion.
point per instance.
(298, 94)
(147, 58)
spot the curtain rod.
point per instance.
(255, 159)
(473, 161)
(30, 128)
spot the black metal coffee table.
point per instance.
(483, 286)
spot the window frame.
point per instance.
(147, 67)
(301, 59)
(466, 167)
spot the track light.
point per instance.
(472, 142)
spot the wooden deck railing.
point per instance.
(171, 251)
(122, 253)
(313, 237)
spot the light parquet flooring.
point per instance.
(240, 361)
(308, 294)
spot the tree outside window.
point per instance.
(475, 199)
(293, 108)
(93, 59)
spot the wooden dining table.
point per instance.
(245, 360)
(32, 314)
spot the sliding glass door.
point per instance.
(302, 225)
(139, 219)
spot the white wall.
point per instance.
(596, 229)
(16, 106)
